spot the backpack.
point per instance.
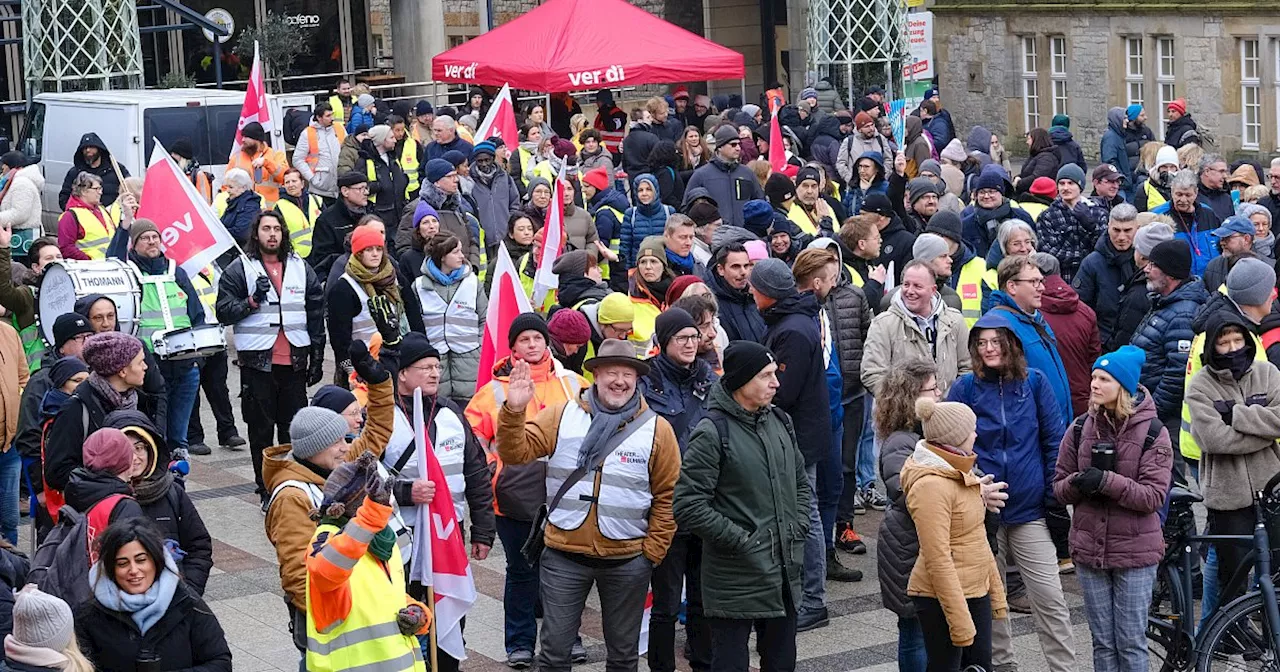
(721, 421)
(1153, 432)
(60, 565)
(295, 124)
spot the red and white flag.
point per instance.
(192, 234)
(506, 301)
(552, 243)
(500, 122)
(439, 555)
(778, 150)
(255, 103)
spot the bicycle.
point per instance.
(1240, 634)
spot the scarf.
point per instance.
(315, 468)
(442, 278)
(990, 220)
(35, 656)
(119, 402)
(685, 261)
(1264, 246)
(484, 176)
(382, 281)
(384, 542)
(146, 609)
(604, 424)
(150, 490)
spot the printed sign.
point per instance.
(919, 46)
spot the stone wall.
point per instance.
(380, 22)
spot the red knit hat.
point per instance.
(679, 286)
(1044, 186)
(862, 119)
(108, 450)
(364, 237)
(680, 92)
(569, 327)
(598, 178)
(1179, 105)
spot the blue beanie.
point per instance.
(992, 177)
(485, 147)
(437, 169)
(1132, 111)
(1124, 365)
(757, 216)
(454, 157)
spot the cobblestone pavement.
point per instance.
(244, 591)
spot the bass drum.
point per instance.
(68, 280)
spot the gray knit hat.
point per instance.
(1250, 282)
(929, 246)
(314, 429)
(41, 620)
(1151, 235)
(772, 278)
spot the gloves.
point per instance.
(1082, 211)
(386, 316)
(411, 619)
(260, 288)
(315, 366)
(1256, 400)
(1088, 481)
(1225, 408)
(379, 488)
(369, 369)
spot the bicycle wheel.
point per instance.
(1237, 638)
(1167, 644)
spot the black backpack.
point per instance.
(295, 124)
(1153, 431)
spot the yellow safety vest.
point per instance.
(1154, 197)
(1033, 209)
(526, 282)
(97, 235)
(970, 289)
(854, 276)
(206, 285)
(615, 244)
(339, 112)
(796, 214)
(409, 163)
(300, 223)
(369, 637)
(372, 174)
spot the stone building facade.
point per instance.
(1012, 67)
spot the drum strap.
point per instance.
(159, 282)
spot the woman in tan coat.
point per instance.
(955, 584)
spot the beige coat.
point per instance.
(1237, 459)
(895, 337)
(12, 379)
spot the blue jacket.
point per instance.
(940, 129)
(1041, 348)
(639, 223)
(358, 117)
(1101, 280)
(1197, 230)
(435, 150)
(738, 313)
(607, 224)
(678, 394)
(240, 213)
(1019, 428)
(1112, 151)
(795, 339)
(1166, 334)
(854, 195)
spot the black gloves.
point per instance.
(315, 366)
(379, 488)
(260, 288)
(1225, 409)
(1089, 481)
(368, 368)
(386, 316)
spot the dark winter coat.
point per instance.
(233, 306)
(87, 487)
(1166, 334)
(1070, 233)
(1067, 149)
(188, 637)
(853, 195)
(1040, 346)
(636, 148)
(240, 214)
(608, 227)
(825, 145)
(678, 394)
(1100, 281)
(1195, 228)
(730, 186)
(110, 183)
(328, 241)
(850, 316)
(13, 576)
(981, 224)
(1215, 274)
(1076, 327)
(897, 545)
(62, 451)
(1220, 201)
(342, 306)
(941, 129)
(639, 223)
(1131, 308)
(1112, 150)
(1043, 163)
(738, 314)
(496, 201)
(1119, 527)
(1134, 138)
(794, 338)
(1181, 132)
(670, 184)
(386, 194)
(895, 247)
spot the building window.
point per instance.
(1250, 95)
(1058, 72)
(1166, 78)
(1030, 85)
(1135, 71)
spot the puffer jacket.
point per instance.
(1101, 279)
(739, 315)
(1119, 527)
(794, 337)
(1019, 427)
(1040, 346)
(1166, 334)
(1197, 229)
(897, 545)
(748, 507)
(638, 223)
(20, 208)
(895, 336)
(850, 315)
(1075, 326)
(1070, 233)
(678, 393)
(1131, 308)
(854, 195)
(459, 372)
(829, 100)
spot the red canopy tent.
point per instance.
(571, 45)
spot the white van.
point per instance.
(128, 122)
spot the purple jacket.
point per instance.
(1119, 527)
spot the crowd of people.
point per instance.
(737, 363)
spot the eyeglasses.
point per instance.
(80, 338)
(96, 187)
(428, 368)
(931, 390)
(687, 339)
(1035, 282)
(984, 343)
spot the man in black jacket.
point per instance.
(1104, 272)
(92, 156)
(727, 279)
(895, 240)
(277, 307)
(337, 220)
(386, 193)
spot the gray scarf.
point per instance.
(604, 424)
(119, 402)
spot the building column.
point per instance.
(417, 31)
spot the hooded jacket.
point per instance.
(1182, 131)
(86, 487)
(1076, 327)
(896, 336)
(940, 128)
(738, 313)
(1100, 281)
(729, 185)
(1119, 527)
(915, 146)
(110, 183)
(855, 147)
(678, 393)
(187, 637)
(608, 227)
(826, 145)
(1040, 346)
(20, 209)
(794, 338)
(1069, 233)
(638, 223)
(1112, 148)
(897, 545)
(1067, 149)
(1166, 334)
(854, 195)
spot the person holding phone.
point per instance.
(1114, 466)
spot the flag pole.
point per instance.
(435, 625)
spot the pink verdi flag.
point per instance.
(506, 300)
(191, 232)
(500, 122)
(255, 103)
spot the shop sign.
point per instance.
(222, 18)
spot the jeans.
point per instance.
(1209, 585)
(850, 444)
(268, 402)
(520, 594)
(1116, 602)
(775, 640)
(10, 475)
(183, 386)
(830, 486)
(213, 380)
(944, 656)
(911, 652)
(1033, 550)
(867, 447)
(815, 552)
(565, 584)
(681, 568)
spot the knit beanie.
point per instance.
(438, 169)
(454, 157)
(315, 429)
(679, 286)
(63, 369)
(1044, 186)
(724, 135)
(992, 177)
(483, 148)
(41, 620)
(862, 119)
(365, 237)
(378, 134)
(364, 100)
(878, 203)
(563, 148)
(1131, 113)
(642, 177)
(929, 246)
(1166, 156)
(254, 131)
(808, 92)
(756, 250)
(68, 326)
(527, 322)
(772, 278)
(945, 423)
(572, 264)
(415, 347)
(334, 398)
(109, 450)
(1248, 210)
(757, 215)
(1125, 365)
(424, 208)
(140, 226)
(615, 308)
(597, 177)
(1173, 257)
(948, 225)
(569, 327)
(671, 322)
(1071, 172)
(808, 173)
(742, 361)
(703, 213)
(932, 167)
(109, 352)
(920, 186)
(1147, 237)
(954, 151)
(779, 189)
(1060, 120)
(1251, 282)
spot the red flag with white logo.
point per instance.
(190, 231)
(552, 243)
(500, 122)
(777, 151)
(439, 554)
(255, 103)
(506, 301)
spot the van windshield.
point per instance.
(209, 129)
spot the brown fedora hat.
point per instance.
(614, 351)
